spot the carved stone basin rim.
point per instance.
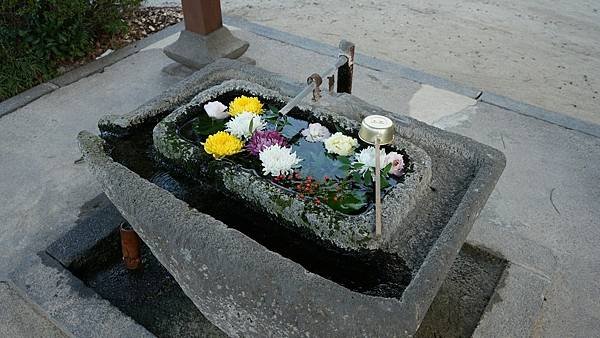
(345, 231)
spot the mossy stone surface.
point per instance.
(345, 231)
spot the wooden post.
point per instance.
(346, 72)
(377, 188)
(202, 16)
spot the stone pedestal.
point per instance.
(196, 51)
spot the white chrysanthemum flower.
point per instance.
(367, 158)
(316, 133)
(244, 124)
(277, 160)
(216, 110)
(341, 144)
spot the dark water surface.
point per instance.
(316, 162)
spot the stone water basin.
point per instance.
(247, 186)
(252, 275)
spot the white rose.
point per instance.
(340, 144)
(216, 110)
(315, 133)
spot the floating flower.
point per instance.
(263, 139)
(216, 110)
(366, 157)
(222, 144)
(315, 133)
(341, 144)
(277, 160)
(245, 104)
(244, 124)
(397, 162)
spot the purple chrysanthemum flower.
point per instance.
(263, 139)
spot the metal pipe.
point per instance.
(130, 247)
(294, 102)
(312, 85)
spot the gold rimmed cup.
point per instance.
(374, 127)
(377, 130)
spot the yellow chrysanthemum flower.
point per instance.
(243, 103)
(222, 144)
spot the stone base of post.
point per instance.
(196, 51)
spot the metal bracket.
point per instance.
(317, 80)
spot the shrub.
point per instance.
(36, 36)
(106, 16)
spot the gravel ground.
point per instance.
(542, 52)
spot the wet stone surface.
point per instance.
(150, 295)
(343, 217)
(372, 272)
(153, 298)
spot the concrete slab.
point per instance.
(162, 43)
(21, 318)
(79, 310)
(431, 104)
(98, 218)
(9, 105)
(548, 195)
(515, 306)
(43, 183)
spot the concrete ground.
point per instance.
(24, 319)
(548, 196)
(542, 52)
